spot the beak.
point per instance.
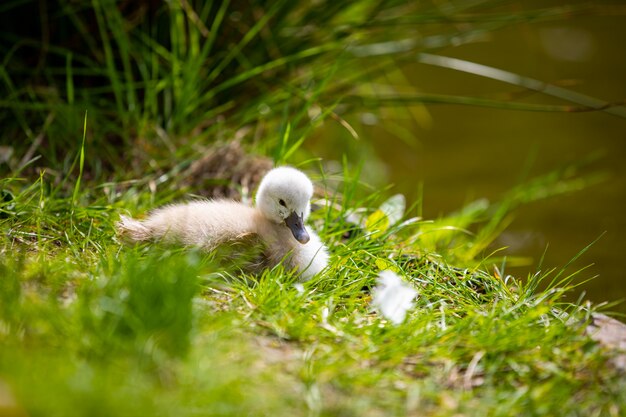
(296, 224)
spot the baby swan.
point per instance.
(282, 207)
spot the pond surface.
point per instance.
(461, 153)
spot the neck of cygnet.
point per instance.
(275, 234)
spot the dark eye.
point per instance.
(282, 202)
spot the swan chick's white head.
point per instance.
(284, 197)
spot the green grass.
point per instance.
(129, 98)
(90, 327)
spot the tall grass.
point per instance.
(164, 79)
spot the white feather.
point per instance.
(393, 297)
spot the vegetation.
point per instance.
(105, 104)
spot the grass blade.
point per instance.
(81, 163)
(586, 101)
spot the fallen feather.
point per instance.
(299, 287)
(392, 296)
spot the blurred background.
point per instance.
(449, 155)
(383, 84)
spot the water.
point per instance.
(463, 153)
